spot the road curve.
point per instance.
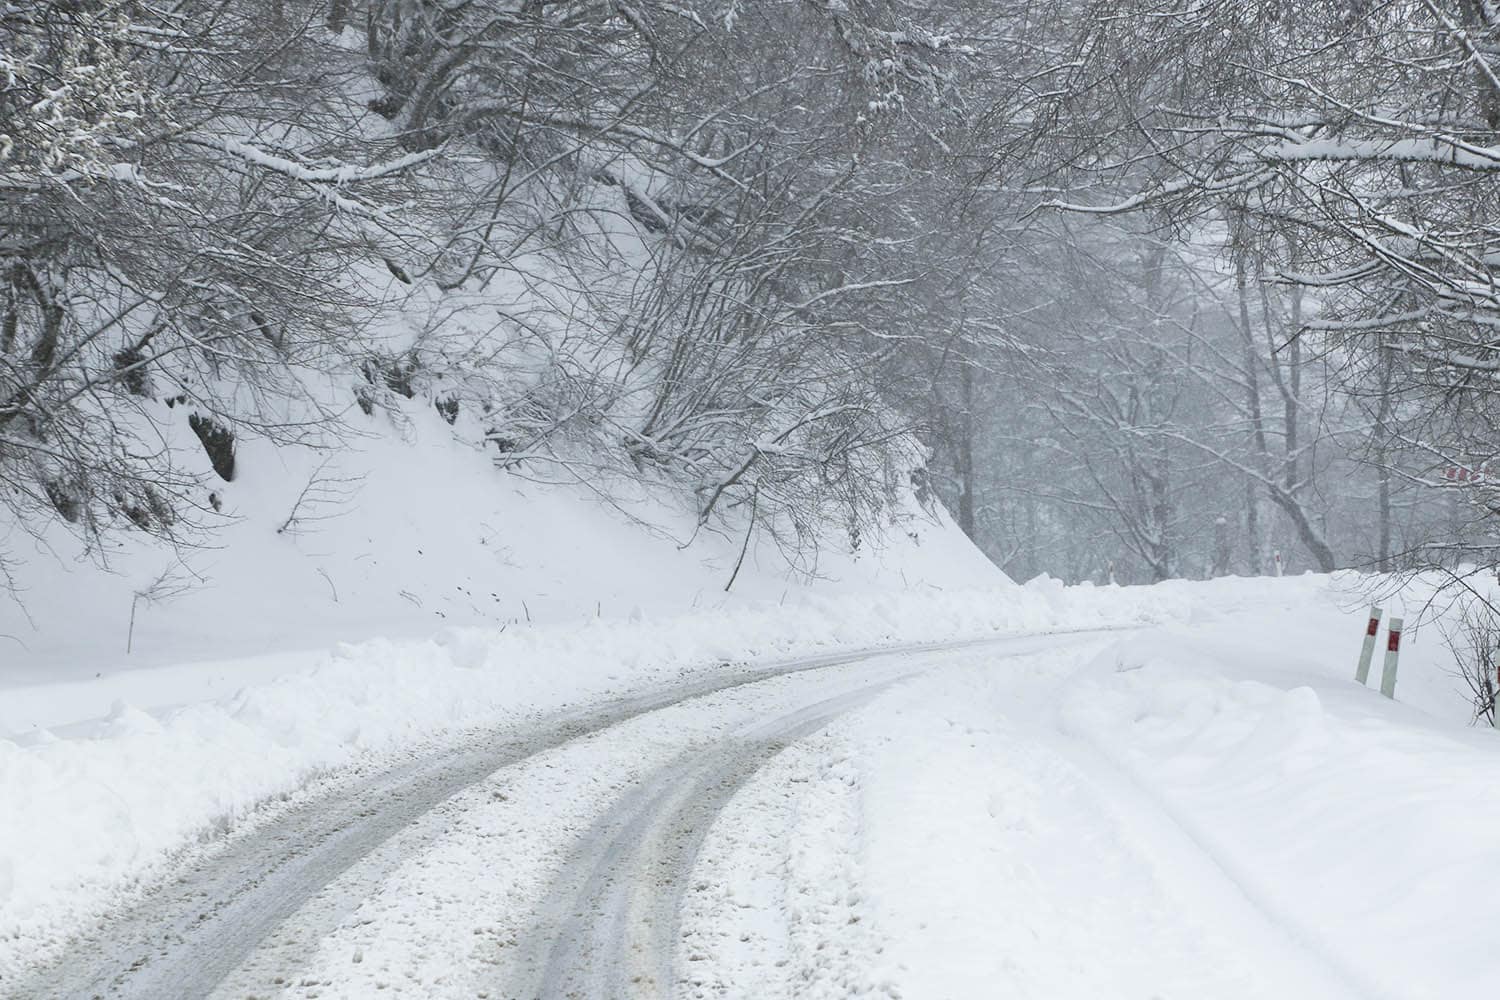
(187, 935)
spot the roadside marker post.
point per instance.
(1392, 653)
(1367, 651)
(1278, 562)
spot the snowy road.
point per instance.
(251, 914)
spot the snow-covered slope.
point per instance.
(404, 531)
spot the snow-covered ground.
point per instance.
(1203, 806)
(100, 805)
(1208, 809)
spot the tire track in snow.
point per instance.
(194, 930)
(612, 928)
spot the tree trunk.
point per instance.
(1307, 533)
(964, 452)
(1256, 556)
(1293, 399)
(1222, 550)
(1383, 463)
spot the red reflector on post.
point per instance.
(1374, 626)
(1394, 643)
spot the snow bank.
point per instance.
(999, 862)
(1350, 820)
(88, 814)
(1310, 627)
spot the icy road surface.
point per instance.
(1049, 817)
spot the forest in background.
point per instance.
(1141, 290)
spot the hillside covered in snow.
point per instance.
(319, 318)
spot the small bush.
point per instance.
(147, 510)
(396, 373)
(1475, 643)
(218, 442)
(128, 363)
(136, 512)
(64, 501)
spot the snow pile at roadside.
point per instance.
(1347, 819)
(999, 862)
(1312, 626)
(87, 814)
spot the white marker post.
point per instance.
(1278, 562)
(1392, 652)
(1367, 651)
